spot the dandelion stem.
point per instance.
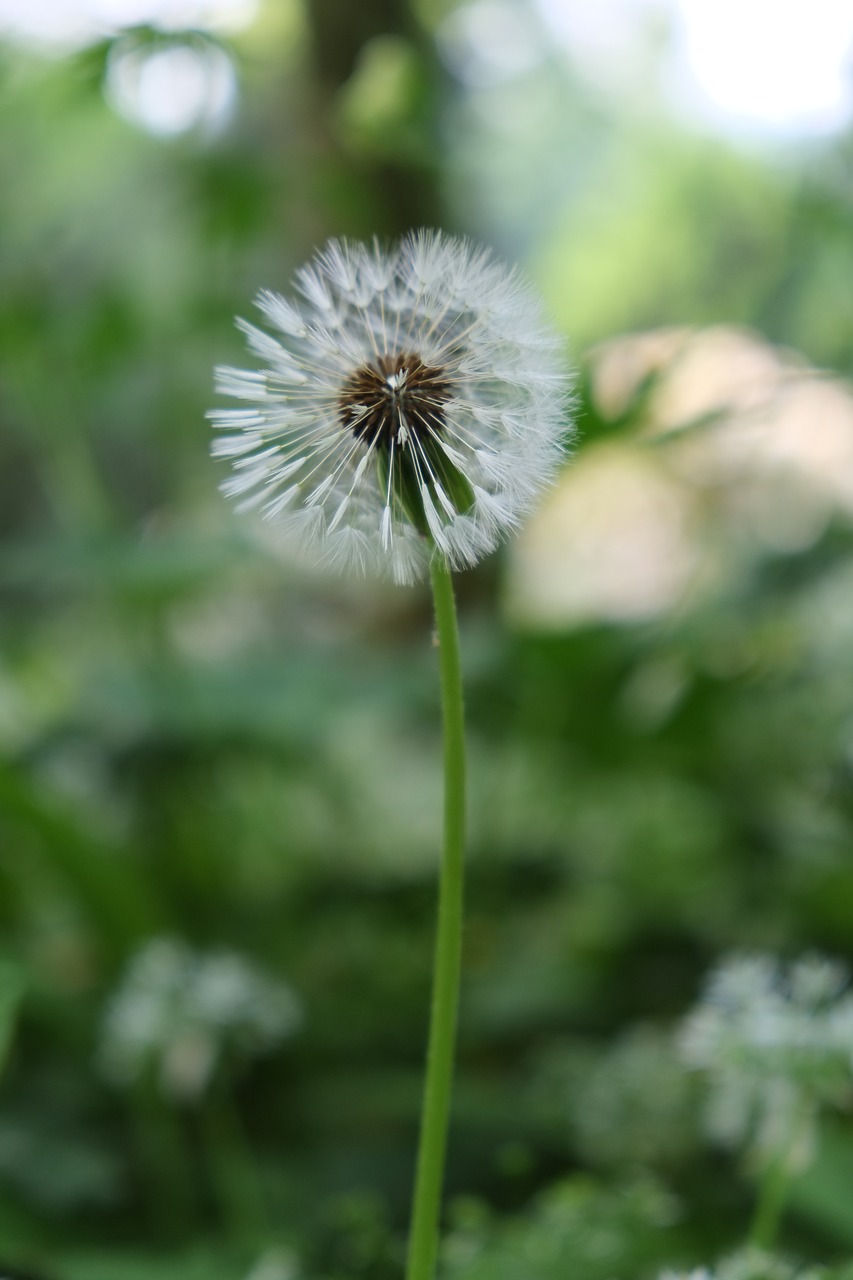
(423, 1240)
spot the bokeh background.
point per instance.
(219, 768)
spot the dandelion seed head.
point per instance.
(411, 402)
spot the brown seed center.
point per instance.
(393, 398)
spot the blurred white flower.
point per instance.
(777, 1044)
(413, 403)
(177, 1013)
(697, 1273)
(275, 1264)
(749, 1263)
(636, 1106)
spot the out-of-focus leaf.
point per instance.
(206, 1265)
(12, 987)
(146, 569)
(821, 1195)
(105, 884)
(55, 1173)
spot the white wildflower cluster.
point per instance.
(411, 403)
(178, 1014)
(277, 1263)
(748, 1264)
(777, 1043)
(636, 1105)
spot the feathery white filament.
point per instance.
(413, 403)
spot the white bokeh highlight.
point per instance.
(173, 88)
(62, 25)
(746, 66)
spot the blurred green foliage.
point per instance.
(200, 739)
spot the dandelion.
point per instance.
(412, 404)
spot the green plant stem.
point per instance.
(772, 1194)
(164, 1162)
(232, 1167)
(775, 1183)
(423, 1240)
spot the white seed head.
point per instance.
(412, 403)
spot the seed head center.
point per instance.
(393, 399)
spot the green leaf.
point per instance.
(123, 1266)
(822, 1194)
(12, 987)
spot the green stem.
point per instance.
(776, 1183)
(772, 1194)
(232, 1167)
(161, 1143)
(423, 1240)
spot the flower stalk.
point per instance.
(775, 1184)
(429, 1178)
(411, 406)
(772, 1194)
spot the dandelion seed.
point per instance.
(415, 399)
